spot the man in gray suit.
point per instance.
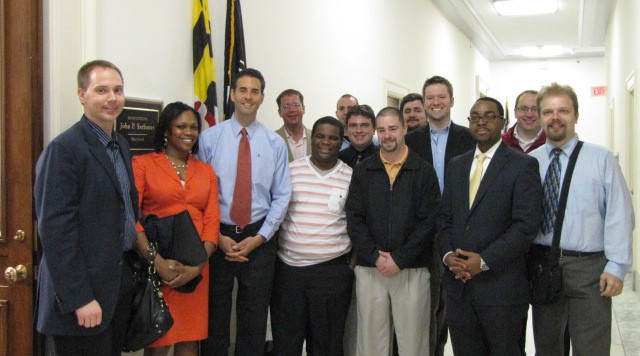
(295, 134)
(491, 210)
(86, 204)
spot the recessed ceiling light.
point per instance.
(543, 51)
(525, 7)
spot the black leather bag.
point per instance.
(150, 317)
(545, 278)
(177, 239)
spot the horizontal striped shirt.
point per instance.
(315, 227)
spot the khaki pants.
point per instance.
(402, 302)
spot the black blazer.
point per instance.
(503, 220)
(458, 142)
(80, 215)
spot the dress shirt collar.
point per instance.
(567, 148)
(102, 136)
(236, 127)
(445, 130)
(490, 152)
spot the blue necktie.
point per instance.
(551, 192)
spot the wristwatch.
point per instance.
(483, 265)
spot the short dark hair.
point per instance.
(249, 72)
(533, 92)
(361, 110)
(331, 121)
(409, 98)
(287, 93)
(391, 111)
(498, 104)
(436, 79)
(85, 71)
(169, 113)
(556, 89)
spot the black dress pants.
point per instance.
(255, 282)
(312, 302)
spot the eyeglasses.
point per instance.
(488, 117)
(292, 106)
(527, 109)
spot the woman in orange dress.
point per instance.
(169, 181)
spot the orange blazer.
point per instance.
(161, 193)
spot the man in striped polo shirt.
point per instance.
(313, 281)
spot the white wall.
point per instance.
(322, 48)
(510, 78)
(623, 65)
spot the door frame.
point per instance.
(21, 71)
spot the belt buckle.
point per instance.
(238, 229)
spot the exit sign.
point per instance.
(599, 91)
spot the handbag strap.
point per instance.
(554, 254)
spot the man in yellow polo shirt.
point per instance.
(391, 209)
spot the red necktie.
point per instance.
(241, 205)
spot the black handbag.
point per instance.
(150, 317)
(177, 239)
(545, 274)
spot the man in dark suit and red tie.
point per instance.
(490, 212)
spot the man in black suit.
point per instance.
(490, 212)
(86, 205)
(437, 143)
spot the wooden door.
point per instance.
(20, 143)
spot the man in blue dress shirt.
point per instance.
(596, 236)
(245, 252)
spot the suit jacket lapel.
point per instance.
(495, 166)
(165, 165)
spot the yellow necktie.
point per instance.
(475, 179)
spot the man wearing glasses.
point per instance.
(295, 134)
(487, 217)
(527, 134)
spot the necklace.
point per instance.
(177, 167)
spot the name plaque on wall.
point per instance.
(137, 123)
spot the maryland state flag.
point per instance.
(204, 71)
(235, 55)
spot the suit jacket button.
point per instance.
(467, 228)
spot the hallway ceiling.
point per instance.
(579, 26)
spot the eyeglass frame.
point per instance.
(291, 106)
(533, 109)
(485, 119)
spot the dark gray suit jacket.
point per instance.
(503, 220)
(80, 214)
(458, 142)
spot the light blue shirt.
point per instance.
(438, 149)
(271, 189)
(599, 215)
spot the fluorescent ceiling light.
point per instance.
(525, 7)
(543, 51)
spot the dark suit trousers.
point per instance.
(255, 280)
(110, 341)
(485, 330)
(316, 297)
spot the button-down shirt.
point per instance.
(271, 186)
(438, 149)
(525, 144)
(298, 149)
(110, 144)
(599, 215)
(488, 155)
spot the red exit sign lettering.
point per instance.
(599, 91)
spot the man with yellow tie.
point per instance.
(483, 231)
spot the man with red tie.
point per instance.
(254, 190)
